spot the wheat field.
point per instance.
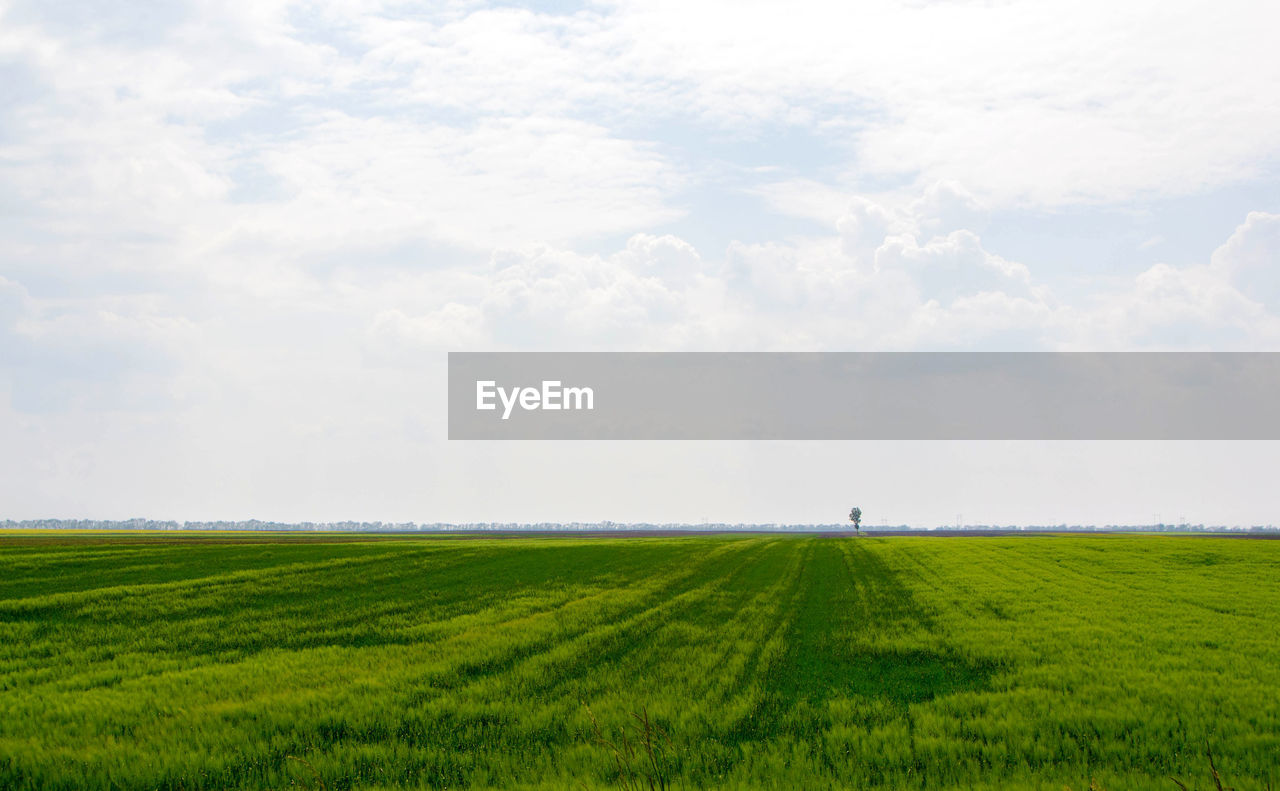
(281, 661)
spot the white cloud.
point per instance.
(947, 206)
(804, 198)
(950, 267)
(501, 182)
(495, 126)
(883, 282)
(154, 130)
(1178, 308)
(865, 226)
(1019, 101)
(651, 294)
(395, 336)
(96, 354)
(1230, 303)
(1250, 259)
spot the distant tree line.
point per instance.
(436, 527)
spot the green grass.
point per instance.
(227, 661)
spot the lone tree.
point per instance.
(855, 516)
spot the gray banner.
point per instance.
(863, 395)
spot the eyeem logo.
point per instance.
(551, 396)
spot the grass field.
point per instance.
(133, 661)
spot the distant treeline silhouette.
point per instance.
(593, 527)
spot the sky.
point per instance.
(238, 239)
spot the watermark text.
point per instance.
(551, 396)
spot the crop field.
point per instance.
(241, 661)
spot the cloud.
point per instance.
(1230, 303)
(947, 206)
(500, 182)
(215, 124)
(394, 336)
(931, 241)
(86, 356)
(1023, 106)
(886, 278)
(1178, 308)
(865, 226)
(1250, 259)
(654, 293)
(882, 282)
(950, 267)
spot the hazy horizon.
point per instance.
(357, 526)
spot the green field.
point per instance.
(132, 661)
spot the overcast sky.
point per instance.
(237, 239)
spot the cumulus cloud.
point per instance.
(1250, 259)
(394, 336)
(947, 206)
(653, 293)
(886, 277)
(1175, 308)
(864, 227)
(947, 268)
(931, 240)
(1228, 303)
(880, 280)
